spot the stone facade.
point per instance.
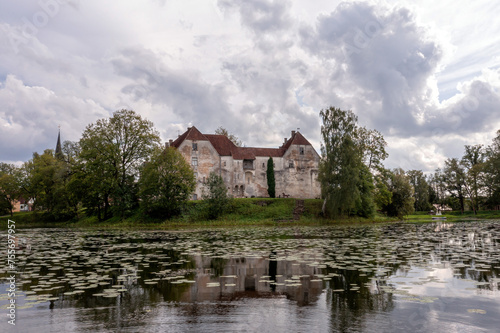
(244, 168)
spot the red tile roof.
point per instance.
(222, 144)
(296, 139)
(192, 133)
(226, 147)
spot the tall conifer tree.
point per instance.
(271, 183)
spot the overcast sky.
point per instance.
(426, 74)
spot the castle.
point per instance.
(243, 169)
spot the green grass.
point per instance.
(455, 216)
(242, 212)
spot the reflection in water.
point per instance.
(366, 278)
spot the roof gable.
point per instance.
(192, 133)
(226, 147)
(296, 139)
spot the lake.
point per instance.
(429, 277)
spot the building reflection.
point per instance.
(252, 277)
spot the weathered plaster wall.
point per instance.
(295, 173)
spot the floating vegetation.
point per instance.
(400, 262)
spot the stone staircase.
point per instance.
(298, 210)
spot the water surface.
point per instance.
(371, 278)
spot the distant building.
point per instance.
(244, 169)
(441, 208)
(22, 205)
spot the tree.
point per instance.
(454, 179)
(373, 146)
(49, 176)
(112, 151)
(166, 183)
(339, 169)
(9, 187)
(437, 191)
(473, 163)
(382, 194)
(215, 196)
(222, 131)
(421, 190)
(365, 206)
(271, 182)
(492, 172)
(402, 195)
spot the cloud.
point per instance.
(258, 68)
(382, 56)
(261, 16)
(30, 116)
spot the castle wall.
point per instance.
(295, 173)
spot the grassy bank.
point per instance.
(243, 212)
(455, 216)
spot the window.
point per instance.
(195, 146)
(248, 164)
(203, 180)
(263, 165)
(301, 150)
(290, 164)
(194, 161)
(195, 196)
(224, 163)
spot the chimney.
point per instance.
(167, 145)
(284, 141)
(170, 142)
(293, 133)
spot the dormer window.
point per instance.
(301, 150)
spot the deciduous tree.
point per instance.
(339, 170)
(215, 196)
(373, 146)
(112, 150)
(402, 195)
(166, 183)
(421, 190)
(222, 131)
(9, 187)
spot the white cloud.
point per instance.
(426, 75)
(30, 116)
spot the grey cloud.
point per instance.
(30, 115)
(385, 54)
(190, 98)
(261, 16)
(476, 111)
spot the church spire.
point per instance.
(59, 153)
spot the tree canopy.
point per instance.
(222, 131)
(166, 183)
(112, 151)
(340, 166)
